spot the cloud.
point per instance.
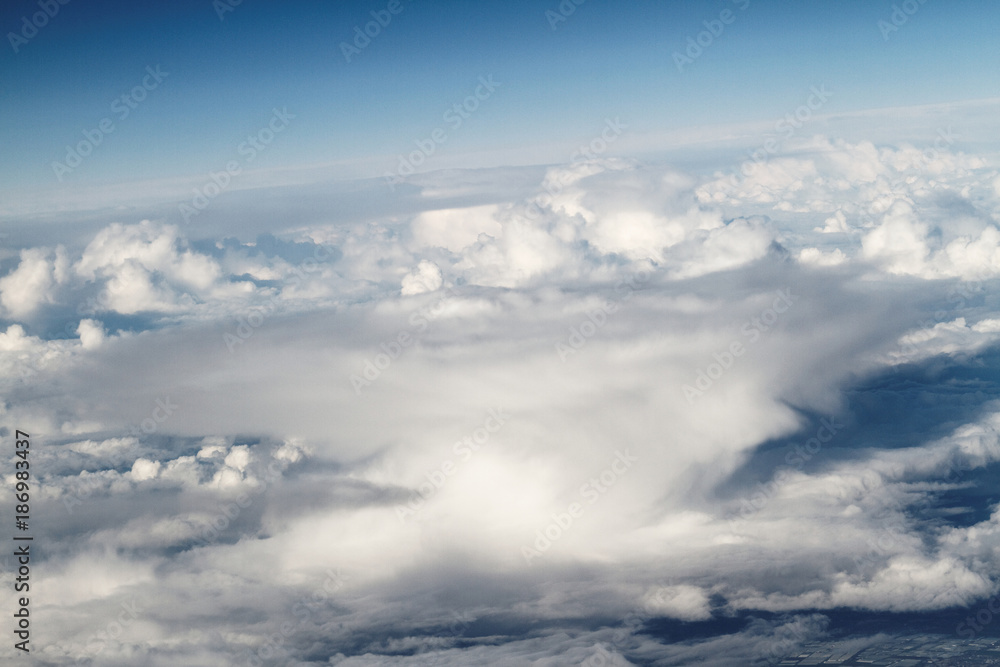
(900, 241)
(34, 281)
(146, 268)
(91, 334)
(955, 337)
(580, 306)
(144, 469)
(457, 228)
(817, 257)
(738, 243)
(684, 602)
(425, 278)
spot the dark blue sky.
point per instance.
(605, 60)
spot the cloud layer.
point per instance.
(528, 429)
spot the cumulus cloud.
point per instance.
(622, 368)
(91, 333)
(146, 267)
(457, 228)
(34, 281)
(817, 257)
(144, 469)
(425, 278)
(684, 602)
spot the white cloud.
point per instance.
(91, 334)
(273, 469)
(900, 241)
(684, 602)
(147, 267)
(738, 243)
(956, 336)
(425, 278)
(34, 281)
(817, 257)
(144, 469)
(238, 458)
(835, 224)
(456, 228)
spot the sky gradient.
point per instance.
(227, 74)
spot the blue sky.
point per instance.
(605, 60)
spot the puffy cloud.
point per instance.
(238, 458)
(900, 242)
(34, 281)
(91, 334)
(724, 503)
(456, 228)
(835, 224)
(684, 602)
(973, 259)
(147, 268)
(144, 469)
(425, 278)
(817, 257)
(23, 356)
(956, 336)
(14, 339)
(522, 253)
(736, 244)
(635, 212)
(903, 244)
